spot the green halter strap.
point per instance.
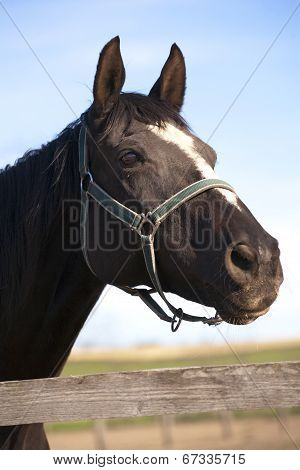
(136, 222)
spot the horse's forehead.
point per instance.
(194, 149)
(191, 146)
(134, 129)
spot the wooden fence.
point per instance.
(150, 392)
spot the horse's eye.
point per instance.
(129, 159)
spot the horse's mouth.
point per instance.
(241, 318)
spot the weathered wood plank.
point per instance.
(150, 392)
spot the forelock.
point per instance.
(145, 109)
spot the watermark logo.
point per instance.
(203, 226)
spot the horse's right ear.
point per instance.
(109, 78)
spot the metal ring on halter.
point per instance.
(86, 179)
(146, 220)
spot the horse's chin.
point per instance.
(241, 318)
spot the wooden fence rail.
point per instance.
(150, 392)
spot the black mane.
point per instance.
(32, 191)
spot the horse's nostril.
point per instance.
(241, 261)
(243, 257)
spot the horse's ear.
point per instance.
(170, 86)
(109, 78)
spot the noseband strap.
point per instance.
(136, 222)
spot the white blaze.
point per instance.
(185, 142)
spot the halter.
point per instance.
(136, 222)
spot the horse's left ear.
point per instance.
(170, 86)
(110, 77)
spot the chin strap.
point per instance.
(136, 223)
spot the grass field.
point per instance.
(93, 362)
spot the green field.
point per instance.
(273, 354)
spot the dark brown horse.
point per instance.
(211, 250)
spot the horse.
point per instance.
(139, 151)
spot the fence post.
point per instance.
(226, 419)
(99, 433)
(167, 424)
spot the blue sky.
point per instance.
(257, 143)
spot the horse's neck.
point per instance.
(37, 335)
(46, 326)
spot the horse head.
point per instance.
(211, 249)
